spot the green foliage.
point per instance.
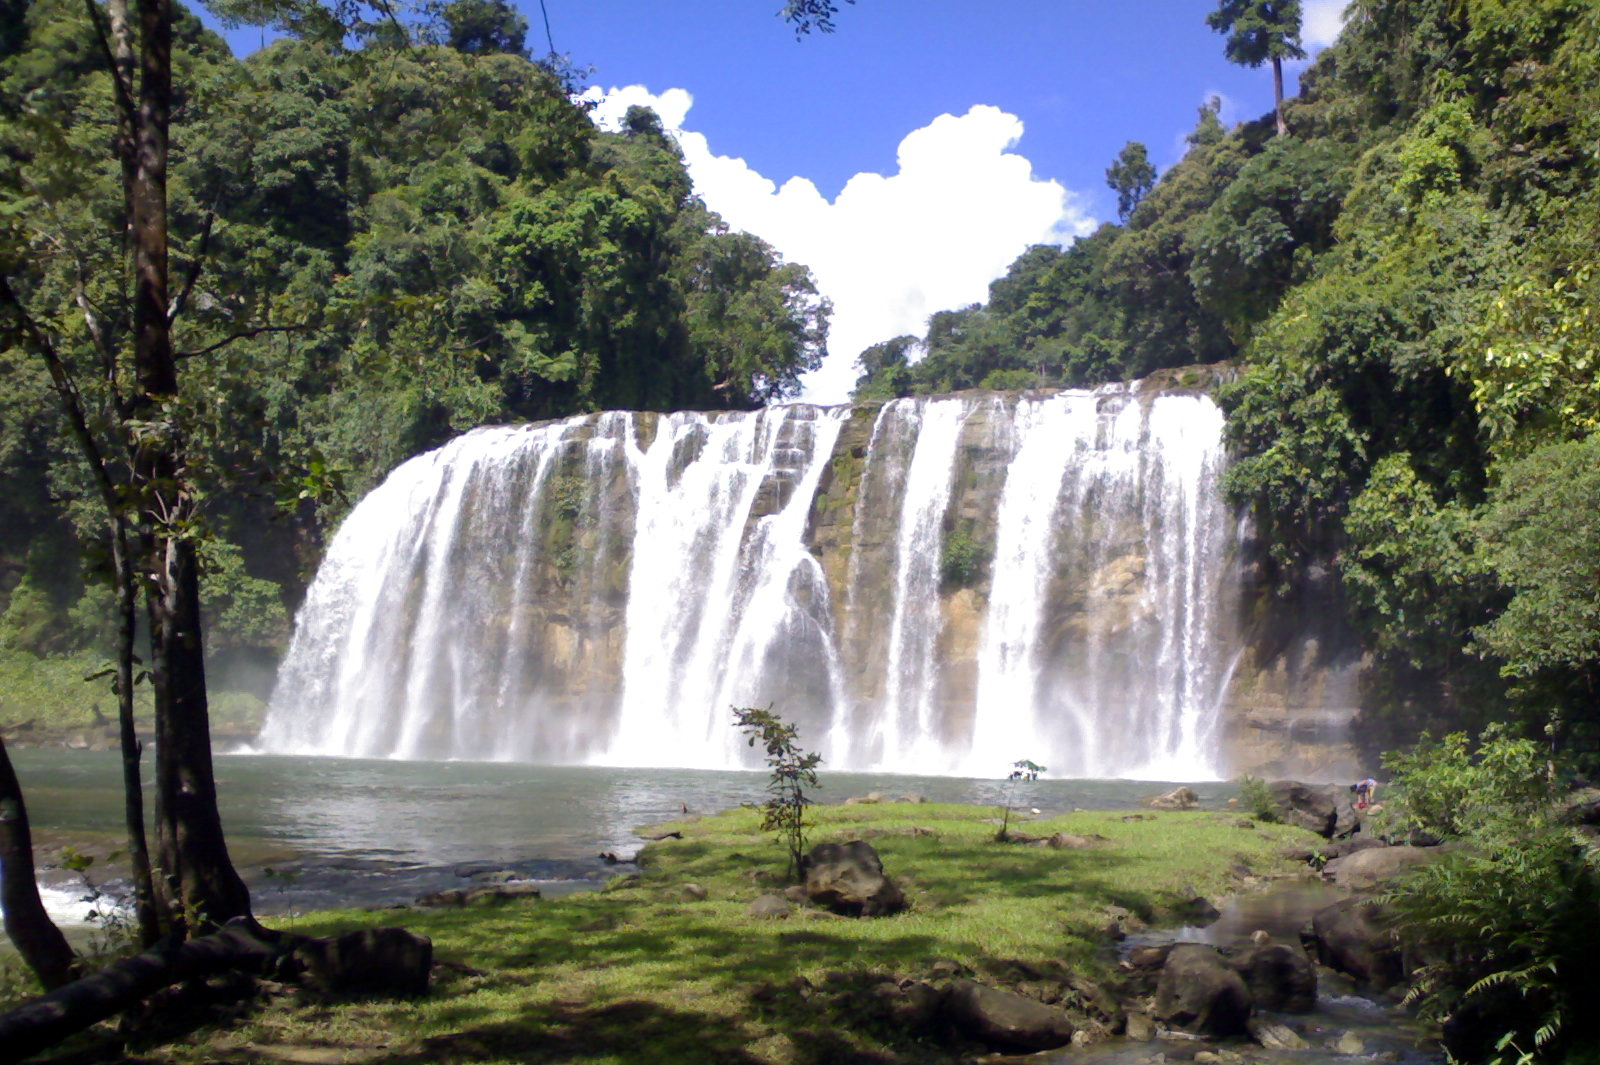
(792, 772)
(1131, 176)
(964, 562)
(1258, 31)
(1541, 535)
(1256, 797)
(391, 245)
(1509, 919)
(1446, 789)
(1411, 569)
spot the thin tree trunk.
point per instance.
(196, 881)
(1277, 95)
(144, 899)
(36, 937)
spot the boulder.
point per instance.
(1003, 1019)
(1343, 848)
(770, 907)
(1183, 798)
(1141, 1027)
(1200, 992)
(375, 961)
(848, 878)
(1374, 866)
(1280, 977)
(909, 1006)
(1321, 808)
(1354, 936)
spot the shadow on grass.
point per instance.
(633, 1030)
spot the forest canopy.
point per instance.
(378, 239)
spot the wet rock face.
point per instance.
(1200, 992)
(1280, 977)
(1354, 936)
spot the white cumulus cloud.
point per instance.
(1320, 22)
(888, 251)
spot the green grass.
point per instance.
(640, 973)
(51, 692)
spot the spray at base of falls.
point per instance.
(935, 586)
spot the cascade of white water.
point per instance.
(906, 737)
(702, 559)
(568, 593)
(371, 670)
(1105, 651)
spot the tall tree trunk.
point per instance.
(1277, 95)
(196, 881)
(36, 937)
(124, 66)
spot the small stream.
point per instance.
(1345, 1026)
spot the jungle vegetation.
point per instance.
(1405, 279)
(378, 238)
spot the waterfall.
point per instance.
(604, 589)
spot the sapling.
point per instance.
(792, 772)
(1021, 771)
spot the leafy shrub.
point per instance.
(1444, 790)
(1510, 920)
(1256, 797)
(964, 561)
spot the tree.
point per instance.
(806, 15)
(1130, 177)
(1261, 31)
(792, 772)
(483, 27)
(37, 939)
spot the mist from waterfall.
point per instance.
(603, 589)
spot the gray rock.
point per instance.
(1354, 936)
(1280, 977)
(695, 893)
(1002, 1019)
(848, 878)
(1276, 1036)
(1367, 869)
(375, 961)
(1183, 798)
(770, 907)
(1349, 1044)
(911, 1006)
(1321, 808)
(1201, 993)
(1141, 1027)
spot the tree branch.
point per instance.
(242, 334)
(195, 268)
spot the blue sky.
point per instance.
(908, 157)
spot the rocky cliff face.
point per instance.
(940, 585)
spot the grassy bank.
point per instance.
(48, 700)
(642, 972)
